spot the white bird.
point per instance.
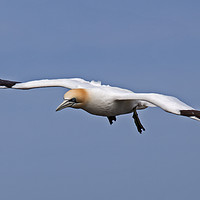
(104, 100)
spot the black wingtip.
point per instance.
(190, 113)
(7, 83)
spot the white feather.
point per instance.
(110, 101)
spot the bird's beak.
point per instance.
(64, 104)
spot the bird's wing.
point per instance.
(167, 103)
(70, 83)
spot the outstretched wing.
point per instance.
(167, 103)
(70, 83)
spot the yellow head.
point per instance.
(75, 98)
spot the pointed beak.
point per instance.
(64, 104)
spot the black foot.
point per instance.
(111, 119)
(138, 124)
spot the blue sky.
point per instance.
(145, 46)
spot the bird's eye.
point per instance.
(73, 100)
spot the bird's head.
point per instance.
(75, 98)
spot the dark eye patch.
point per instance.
(73, 100)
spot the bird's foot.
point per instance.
(111, 119)
(138, 124)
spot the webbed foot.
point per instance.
(138, 124)
(111, 119)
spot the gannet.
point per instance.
(105, 100)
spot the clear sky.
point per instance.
(145, 46)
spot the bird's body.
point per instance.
(104, 100)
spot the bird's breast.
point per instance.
(108, 107)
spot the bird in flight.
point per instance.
(107, 101)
